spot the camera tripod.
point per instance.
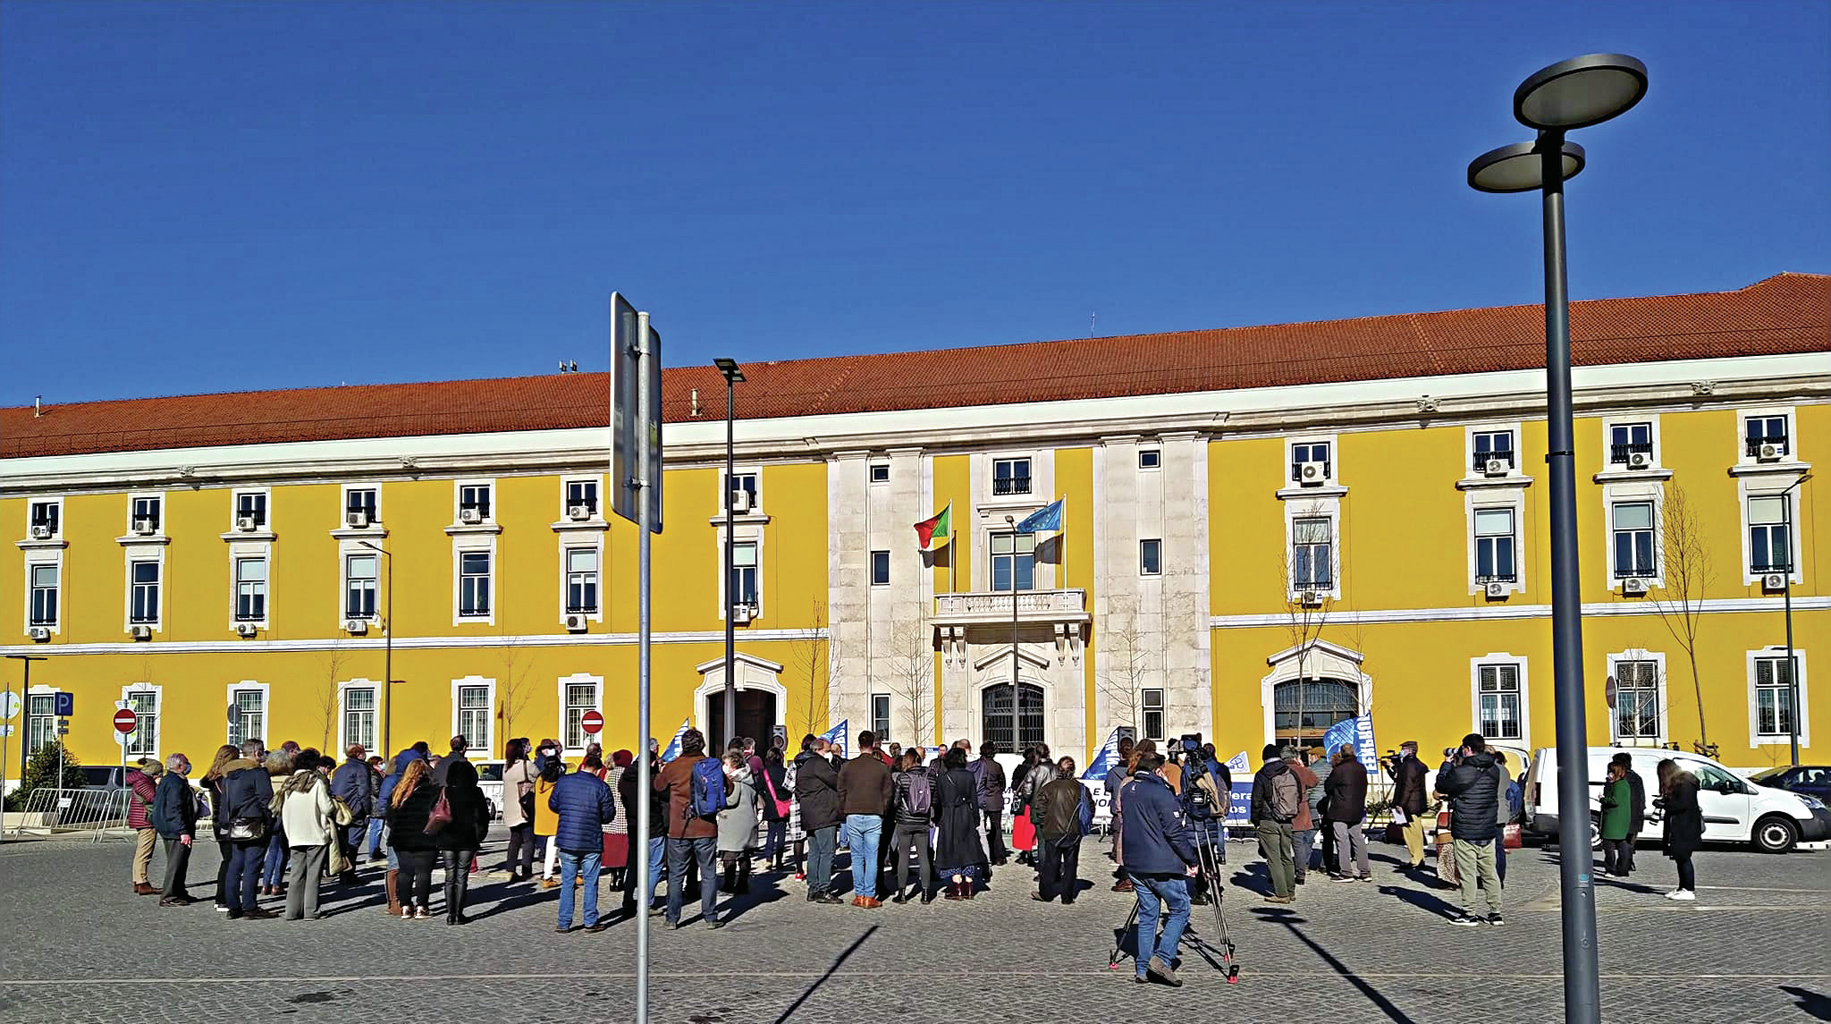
(1220, 956)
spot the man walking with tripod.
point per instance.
(1160, 857)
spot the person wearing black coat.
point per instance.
(1474, 783)
(628, 792)
(992, 800)
(1409, 796)
(174, 815)
(470, 822)
(817, 791)
(1637, 813)
(1345, 808)
(1684, 824)
(958, 855)
(409, 807)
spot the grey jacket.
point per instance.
(737, 823)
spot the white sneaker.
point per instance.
(1685, 895)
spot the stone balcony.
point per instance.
(994, 608)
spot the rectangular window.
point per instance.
(1634, 540)
(44, 594)
(743, 585)
(1010, 476)
(144, 602)
(880, 472)
(474, 716)
(40, 720)
(1492, 444)
(582, 580)
(1013, 561)
(1765, 431)
(251, 505)
(582, 494)
(1773, 698)
(1626, 439)
(1494, 545)
(1500, 710)
(580, 698)
(1150, 557)
(250, 719)
(1150, 703)
(359, 716)
(46, 517)
(1637, 700)
(1150, 458)
(1310, 451)
(880, 715)
(1767, 535)
(880, 568)
(746, 482)
(359, 579)
(474, 583)
(363, 500)
(474, 498)
(146, 512)
(1312, 554)
(250, 589)
(142, 742)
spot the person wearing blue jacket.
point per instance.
(1160, 857)
(584, 805)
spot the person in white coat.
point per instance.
(737, 823)
(306, 814)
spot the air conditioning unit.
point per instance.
(740, 502)
(1634, 586)
(1773, 581)
(578, 512)
(1497, 589)
(472, 516)
(1769, 453)
(41, 533)
(1309, 474)
(1640, 460)
(39, 633)
(357, 519)
(356, 627)
(246, 628)
(575, 623)
(140, 632)
(144, 526)
(742, 613)
(1496, 467)
(1311, 598)
(245, 524)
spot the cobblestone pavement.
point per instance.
(76, 946)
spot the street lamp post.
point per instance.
(1572, 94)
(1792, 673)
(733, 375)
(1017, 745)
(387, 639)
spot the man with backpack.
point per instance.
(864, 796)
(695, 785)
(912, 811)
(1277, 797)
(1063, 812)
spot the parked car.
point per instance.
(1813, 780)
(489, 779)
(105, 778)
(1774, 820)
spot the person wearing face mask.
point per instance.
(174, 815)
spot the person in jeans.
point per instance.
(628, 794)
(864, 796)
(1315, 798)
(690, 836)
(354, 783)
(1159, 859)
(174, 815)
(584, 805)
(247, 794)
(305, 814)
(273, 864)
(409, 804)
(1346, 813)
(1277, 798)
(912, 808)
(1474, 784)
(817, 797)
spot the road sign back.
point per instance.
(9, 706)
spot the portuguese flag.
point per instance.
(928, 531)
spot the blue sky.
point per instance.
(227, 196)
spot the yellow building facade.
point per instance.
(1249, 555)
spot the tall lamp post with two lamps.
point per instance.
(734, 375)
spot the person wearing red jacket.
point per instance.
(142, 788)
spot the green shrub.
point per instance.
(41, 773)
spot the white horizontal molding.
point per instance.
(419, 643)
(1492, 612)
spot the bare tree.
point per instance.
(811, 656)
(326, 694)
(1127, 670)
(1686, 564)
(912, 675)
(516, 687)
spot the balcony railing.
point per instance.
(1753, 447)
(1618, 453)
(1481, 459)
(995, 606)
(1011, 485)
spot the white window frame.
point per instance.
(565, 710)
(1518, 664)
(56, 502)
(1145, 710)
(343, 505)
(235, 508)
(992, 556)
(755, 544)
(266, 708)
(1330, 475)
(158, 719)
(1513, 501)
(1748, 488)
(135, 498)
(467, 546)
(1609, 424)
(345, 553)
(238, 555)
(153, 555)
(744, 533)
(724, 490)
(1029, 475)
(457, 686)
(344, 739)
(1652, 500)
(457, 501)
(35, 560)
(1321, 508)
(1156, 457)
(1803, 713)
(565, 495)
(1144, 568)
(1469, 470)
(1658, 660)
(595, 613)
(1781, 412)
(884, 722)
(26, 716)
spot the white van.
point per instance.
(1734, 811)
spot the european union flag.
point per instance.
(1047, 518)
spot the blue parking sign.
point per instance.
(66, 705)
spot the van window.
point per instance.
(1710, 776)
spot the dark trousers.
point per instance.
(701, 851)
(995, 835)
(1687, 875)
(457, 881)
(414, 886)
(227, 850)
(1625, 859)
(905, 838)
(521, 849)
(772, 842)
(177, 858)
(1615, 856)
(242, 883)
(1058, 865)
(823, 842)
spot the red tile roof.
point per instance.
(1787, 313)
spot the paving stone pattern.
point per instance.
(77, 946)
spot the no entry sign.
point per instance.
(125, 720)
(591, 721)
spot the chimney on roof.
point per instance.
(37, 406)
(695, 397)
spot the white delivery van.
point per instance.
(1734, 810)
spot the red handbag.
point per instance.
(440, 815)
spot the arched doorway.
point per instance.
(1006, 717)
(1302, 711)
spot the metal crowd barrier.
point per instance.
(99, 814)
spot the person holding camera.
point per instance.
(1474, 785)
(1159, 859)
(1408, 796)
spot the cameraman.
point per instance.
(1474, 784)
(1206, 797)
(1408, 797)
(1159, 858)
